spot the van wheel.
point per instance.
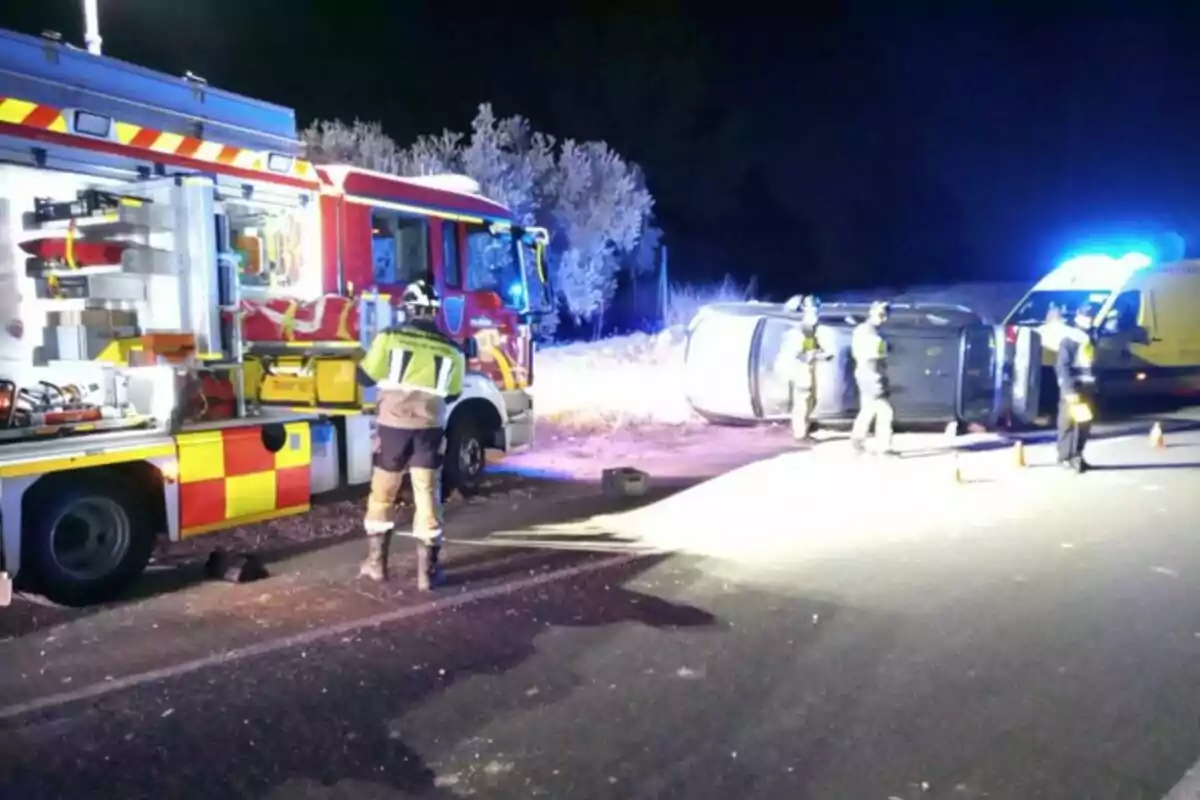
(86, 540)
(466, 458)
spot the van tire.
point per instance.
(106, 510)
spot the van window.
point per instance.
(1123, 316)
(399, 247)
(450, 256)
(1033, 309)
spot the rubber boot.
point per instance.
(374, 568)
(435, 565)
(429, 573)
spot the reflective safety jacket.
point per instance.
(417, 370)
(1073, 363)
(798, 353)
(869, 351)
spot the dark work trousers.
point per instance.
(1072, 436)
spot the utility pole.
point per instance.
(91, 26)
(664, 287)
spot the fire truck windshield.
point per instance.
(494, 264)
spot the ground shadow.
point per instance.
(344, 706)
(1120, 467)
(578, 500)
(1114, 430)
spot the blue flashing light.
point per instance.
(516, 291)
(1136, 260)
(1132, 260)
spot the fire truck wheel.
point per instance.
(86, 538)
(466, 457)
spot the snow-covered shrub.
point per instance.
(625, 380)
(361, 143)
(685, 299)
(628, 380)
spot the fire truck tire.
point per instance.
(112, 533)
(466, 457)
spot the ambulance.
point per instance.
(1146, 329)
(183, 300)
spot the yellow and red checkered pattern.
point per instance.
(229, 477)
(15, 111)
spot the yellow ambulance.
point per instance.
(1146, 329)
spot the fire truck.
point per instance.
(184, 299)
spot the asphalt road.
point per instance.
(1022, 633)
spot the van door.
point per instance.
(1172, 332)
(981, 387)
(1122, 343)
(717, 365)
(1025, 385)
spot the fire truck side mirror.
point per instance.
(471, 347)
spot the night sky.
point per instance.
(840, 145)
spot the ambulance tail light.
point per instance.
(1010, 334)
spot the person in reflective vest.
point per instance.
(417, 371)
(869, 351)
(803, 352)
(1073, 369)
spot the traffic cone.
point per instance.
(1019, 453)
(1157, 439)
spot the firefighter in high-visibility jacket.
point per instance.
(868, 348)
(417, 371)
(802, 352)
(1073, 369)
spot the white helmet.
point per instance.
(420, 296)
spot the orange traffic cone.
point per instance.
(1019, 453)
(1157, 439)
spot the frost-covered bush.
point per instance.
(594, 203)
(361, 143)
(685, 299)
(628, 380)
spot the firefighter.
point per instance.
(417, 371)
(869, 351)
(1073, 369)
(803, 352)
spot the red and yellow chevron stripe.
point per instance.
(15, 111)
(228, 477)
